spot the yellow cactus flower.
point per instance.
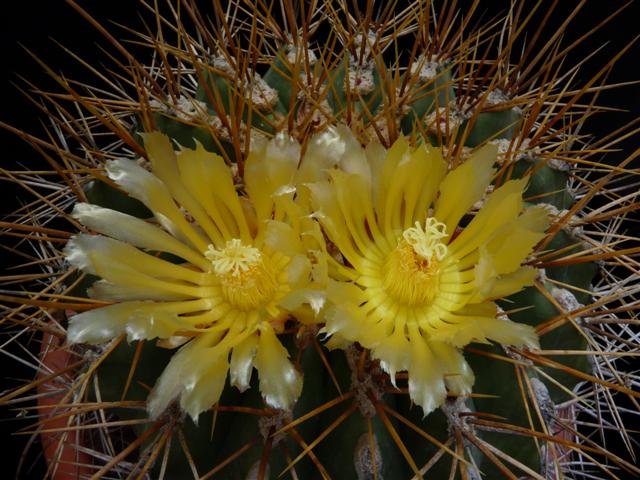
(408, 288)
(243, 268)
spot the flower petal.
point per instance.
(463, 329)
(269, 172)
(125, 265)
(458, 375)
(324, 151)
(426, 381)
(280, 382)
(150, 190)
(138, 319)
(134, 231)
(281, 237)
(103, 290)
(510, 244)
(502, 207)
(198, 383)
(314, 297)
(203, 386)
(464, 186)
(393, 353)
(242, 362)
(218, 210)
(505, 285)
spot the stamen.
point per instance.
(234, 258)
(246, 276)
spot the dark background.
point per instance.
(34, 23)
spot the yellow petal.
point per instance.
(466, 329)
(198, 171)
(123, 264)
(203, 386)
(185, 371)
(413, 187)
(100, 325)
(458, 375)
(464, 186)
(280, 382)
(426, 381)
(242, 362)
(315, 298)
(383, 182)
(269, 172)
(508, 284)
(354, 160)
(104, 290)
(393, 353)
(502, 207)
(134, 231)
(138, 319)
(324, 151)
(510, 245)
(354, 202)
(281, 237)
(151, 191)
(328, 212)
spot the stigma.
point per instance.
(427, 242)
(411, 270)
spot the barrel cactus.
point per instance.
(303, 240)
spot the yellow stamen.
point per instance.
(233, 258)
(247, 279)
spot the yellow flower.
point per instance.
(243, 269)
(408, 288)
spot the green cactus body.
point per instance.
(346, 452)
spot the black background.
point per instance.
(34, 23)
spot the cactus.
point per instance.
(391, 217)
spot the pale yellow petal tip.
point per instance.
(280, 381)
(241, 366)
(197, 384)
(75, 252)
(93, 327)
(154, 140)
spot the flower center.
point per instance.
(246, 278)
(412, 268)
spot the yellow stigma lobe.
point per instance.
(427, 242)
(412, 268)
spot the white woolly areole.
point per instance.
(269, 424)
(296, 54)
(566, 299)
(497, 97)
(184, 108)
(367, 460)
(427, 68)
